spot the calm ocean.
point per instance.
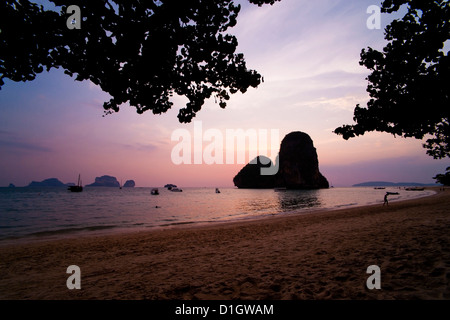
(41, 213)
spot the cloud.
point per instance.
(308, 53)
(303, 37)
(4, 132)
(14, 146)
(141, 147)
(347, 102)
(10, 143)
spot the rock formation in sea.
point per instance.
(105, 181)
(129, 184)
(11, 185)
(299, 164)
(250, 176)
(51, 182)
(298, 167)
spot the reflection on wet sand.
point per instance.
(298, 199)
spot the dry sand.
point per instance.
(315, 256)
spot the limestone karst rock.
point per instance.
(51, 182)
(129, 184)
(250, 176)
(298, 167)
(105, 181)
(299, 164)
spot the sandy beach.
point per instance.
(323, 255)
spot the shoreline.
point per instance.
(318, 255)
(105, 230)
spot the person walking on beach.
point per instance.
(386, 199)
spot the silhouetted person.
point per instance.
(386, 199)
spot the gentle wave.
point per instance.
(69, 230)
(346, 205)
(177, 223)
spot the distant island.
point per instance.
(129, 184)
(392, 184)
(51, 182)
(103, 181)
(110, 181)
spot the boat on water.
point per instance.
(169, 186)
(415, 189)
(176, 190)
(155, 191)
(217, 190)
(77, 188)
(379, 188)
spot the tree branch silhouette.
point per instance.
(140, 52)
(408, 84)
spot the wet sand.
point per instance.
(323, 255)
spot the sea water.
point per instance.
(47, 212)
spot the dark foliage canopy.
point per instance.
(409, 83)
(139, 51)
(443, 178)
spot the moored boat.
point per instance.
(415, 189)
(77, 188)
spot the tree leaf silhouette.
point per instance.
(140, 52)
(408, 86)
